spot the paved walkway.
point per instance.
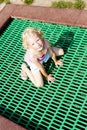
(72, 17)
(6, 124)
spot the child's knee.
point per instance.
(40, 84)
(23, 66)
(61, 51)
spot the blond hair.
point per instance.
(28, 32)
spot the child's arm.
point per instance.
(53, 55)
(42, 70)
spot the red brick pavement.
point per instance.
(72, 17)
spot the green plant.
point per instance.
(79, 4)
(68, 4)
(7, 1)
(28, 1)
(59, 4)
(62, 4)
(1, 1)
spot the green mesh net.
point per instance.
(61, 105)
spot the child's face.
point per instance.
(35, 42)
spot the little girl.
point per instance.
(38, 50)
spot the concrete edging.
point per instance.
(72, 17)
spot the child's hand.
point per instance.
(59, 62)
(50, 78)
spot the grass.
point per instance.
(7, 1)
(25, 1)
(62, 4)
(1, 1)
(28, 1)
(78, 4)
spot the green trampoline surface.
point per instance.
(61, 105)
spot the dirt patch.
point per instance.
(46, 3)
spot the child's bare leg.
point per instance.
(58, 52)
(36, 77)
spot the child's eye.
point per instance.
(38, 40)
